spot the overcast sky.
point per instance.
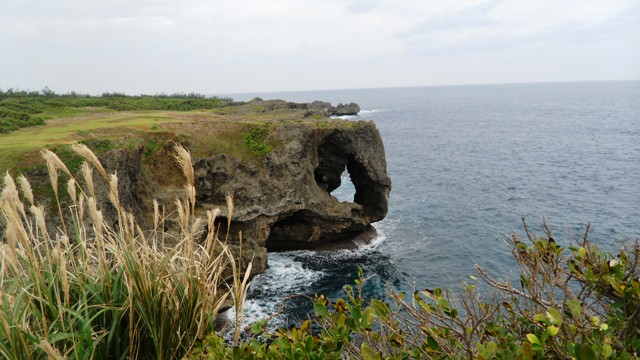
(217, 47)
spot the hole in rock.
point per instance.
(334, 171)
(346, 191)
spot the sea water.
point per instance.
(466, 164)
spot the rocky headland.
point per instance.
(280, 161)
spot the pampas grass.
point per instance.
(93, 291)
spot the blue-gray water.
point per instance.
(466, 163)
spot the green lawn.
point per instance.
(68, 129)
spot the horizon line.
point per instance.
(218, 94)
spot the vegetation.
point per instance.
(255, 140)
(573, 303)
(20, 109)
(97, 289)
(90, 290)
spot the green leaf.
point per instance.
(492, 347)
(367, 353)
(433, 344)
(443, 304)
(607, 351)
(381, 308)
(368, 316)
(582, 251)
(533, 339)
(554, 316)
(257, 328)
(540, 318)
(574, 307)
(553, 330)
(586, 353)
(527, 350)
(320, 309)
(507, 355)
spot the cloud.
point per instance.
(170, 45)
(478, 15)
(500, 25)
(362, 6)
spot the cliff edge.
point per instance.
(279, 162)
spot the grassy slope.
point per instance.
(209, 132)
(16, 147)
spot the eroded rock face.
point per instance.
(281, 202)
(326, 109)
(286, 202)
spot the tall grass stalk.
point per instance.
(89, 290)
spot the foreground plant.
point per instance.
(572, 303)
(93, 291)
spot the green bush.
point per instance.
(572, 303)
(17, 108)
(255, 141)
(12, 119)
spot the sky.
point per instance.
(223, 47)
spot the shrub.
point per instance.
(572, 303)
(92, 291)
(255, 141)
(11, 120)
(18, 108)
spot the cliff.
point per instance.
(281, 202)
(279, 160)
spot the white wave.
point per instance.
(365, 245)
(345, 117)
(358, 116)
(285, 277)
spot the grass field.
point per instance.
(210, 126)
(210, 132)
(16, 146)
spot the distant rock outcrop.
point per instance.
(326, 109)
(322, 108)
(347, 109)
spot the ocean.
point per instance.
(466, 164)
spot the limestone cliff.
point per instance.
(282, 190)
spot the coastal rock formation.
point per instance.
(347, 109)
(282, 202)
(326, 109)
(322, 108)
(279, 164)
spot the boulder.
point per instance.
(347, 109)
(321, 108)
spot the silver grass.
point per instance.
(87, 154)
(113, 188)
(87, 173)
(71, 189)
(183, 158)
(229, 199)
(25, 186)
(53, 160)
(38, 214)
(52, 353)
